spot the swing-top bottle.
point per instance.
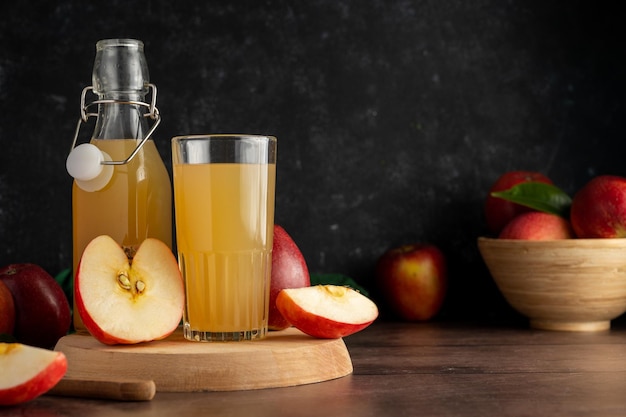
(121, 186)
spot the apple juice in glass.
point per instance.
(121, 185)
(224, 188)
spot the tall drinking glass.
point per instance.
(224, 188)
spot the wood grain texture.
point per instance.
(109, 389)
(430, 369)
(284, 358)
(570, 285)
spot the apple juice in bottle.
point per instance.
(134, 201)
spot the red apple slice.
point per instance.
(326, 311)
(28, 372)
(129, 301)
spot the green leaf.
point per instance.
(64, 278)
(66, 281)
(7, 338)
(539, 196)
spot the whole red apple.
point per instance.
(412, 280)
(537, 225)
(499, 212)
(289, 270)
(599, 208)
(7, 310)
(42, 312)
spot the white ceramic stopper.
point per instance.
(84, 163)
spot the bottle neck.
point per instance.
(121, 120)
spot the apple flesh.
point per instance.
(123, 301)
(499, 212)
(28, 372)
(289, 270)
(412, 280)
(536, 225)
(7, 310)
(326, 311)
(599, 208)
(42, 311)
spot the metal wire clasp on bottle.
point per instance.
(85, 115)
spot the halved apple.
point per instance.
(326, 311)
(28, 372)
(126, 301)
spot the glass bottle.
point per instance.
(121, 186)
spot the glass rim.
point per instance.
(223, 136)
(127, 42)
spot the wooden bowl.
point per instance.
(570, 284)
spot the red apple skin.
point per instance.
(7, 310)
(599, 208)
(536, 225)
(38, 385)
(42, 312)
(320, 327)
(97, 332)
(168, 261)
(499, 212)
(412, 280)
(289, 270)
(313, 324)
(94, 329)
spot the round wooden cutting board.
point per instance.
(285, 358)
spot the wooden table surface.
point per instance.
(435, 369)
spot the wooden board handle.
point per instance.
(120, 390)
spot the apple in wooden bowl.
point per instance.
(566, 284)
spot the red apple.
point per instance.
(289, 270)
(499, 212)
(537, 225)
(599, 208)
(129, 301)
(7, 310)
(28, 372)
(412, 280)
(326, 311)
(42, 312)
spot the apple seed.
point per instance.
(123, 280)
(140, 286)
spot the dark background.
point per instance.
(393, 117)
